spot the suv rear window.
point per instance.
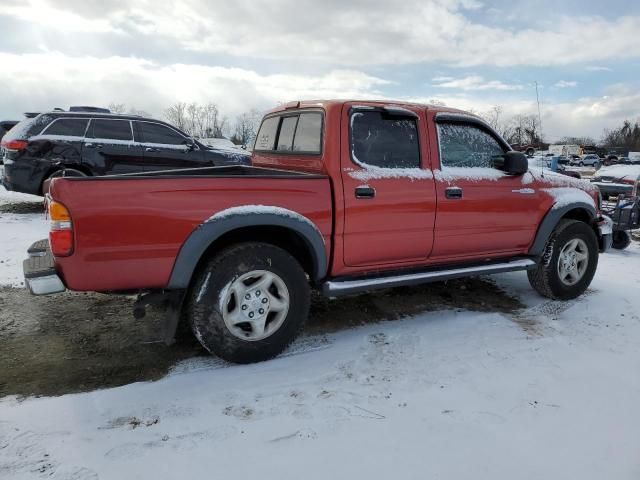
(27, 128)
(72, 127)
(110, 129)
(301, 133)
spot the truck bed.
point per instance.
(128, 229)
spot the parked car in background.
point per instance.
(342, 197)
(591, 160)
(617, 180)
(633, 158)
(611, 159)
(88, 141)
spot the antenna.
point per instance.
(539, 121)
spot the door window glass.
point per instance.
(467, 146)
(72, 127)
(111, 129)
(156, 133)
(381, 140)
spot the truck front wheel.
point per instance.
(569, 262)
(249, 302)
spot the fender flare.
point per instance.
(234, 218)
(551, 220)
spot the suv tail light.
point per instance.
(15, 145)
(61, 232)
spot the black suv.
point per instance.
(91, 141)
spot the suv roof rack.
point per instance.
(89, 109)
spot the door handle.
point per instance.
(453, 193)
(150, 149)
(93, 145)
(365, 192)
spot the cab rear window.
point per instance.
(298, 133)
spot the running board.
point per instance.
(337, 288)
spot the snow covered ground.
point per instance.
(549, 391)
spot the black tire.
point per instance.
(530, 152)
(204, 303)
(545, 279)
(581, 164)
(621, 239)
(69, 172)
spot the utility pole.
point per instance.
(539, 116)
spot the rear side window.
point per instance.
(72, 127)
(111, 129)
(467, 146)
(291, 133)
(156, 133)
(308, 133)
(384, 141)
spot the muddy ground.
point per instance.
(77, 342)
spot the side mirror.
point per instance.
(513, 163)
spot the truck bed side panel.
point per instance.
(128, 232)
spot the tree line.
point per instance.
(204, 120)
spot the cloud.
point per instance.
(354, 34)
(596, 68)
(566, 84)
(55, 80)
(473, 82)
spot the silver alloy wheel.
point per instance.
(573, 261)
(255, 305)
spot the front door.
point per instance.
(482, 211)
(109, 148)
(167, 149)
(389, 192)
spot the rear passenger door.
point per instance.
(389, 192)
(62, 140)
(109, 148)
(167, 149)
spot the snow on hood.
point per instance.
(619, 171)
(555, 179)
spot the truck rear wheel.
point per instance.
(249, 302)
(621, 239)
(569, 262)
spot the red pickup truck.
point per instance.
(342, 197)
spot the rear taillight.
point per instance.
(61, 233)
(15, 145)
(629, 181)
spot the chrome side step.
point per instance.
(336, 288)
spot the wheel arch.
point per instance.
(292, 232)
(58, 168)
(581, 211)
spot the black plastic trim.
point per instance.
(550, 222)
(202, 237)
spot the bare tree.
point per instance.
(246, 127)
(118, 108)
(176, 114)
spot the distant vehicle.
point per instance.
(617, 180)
(633, 158)
(590, 160)
(220, 143)
(564, 149)
(89, 141)
(529, 149)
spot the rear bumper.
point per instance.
(39, 270)
(605, 233)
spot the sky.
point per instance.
(469, 54)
